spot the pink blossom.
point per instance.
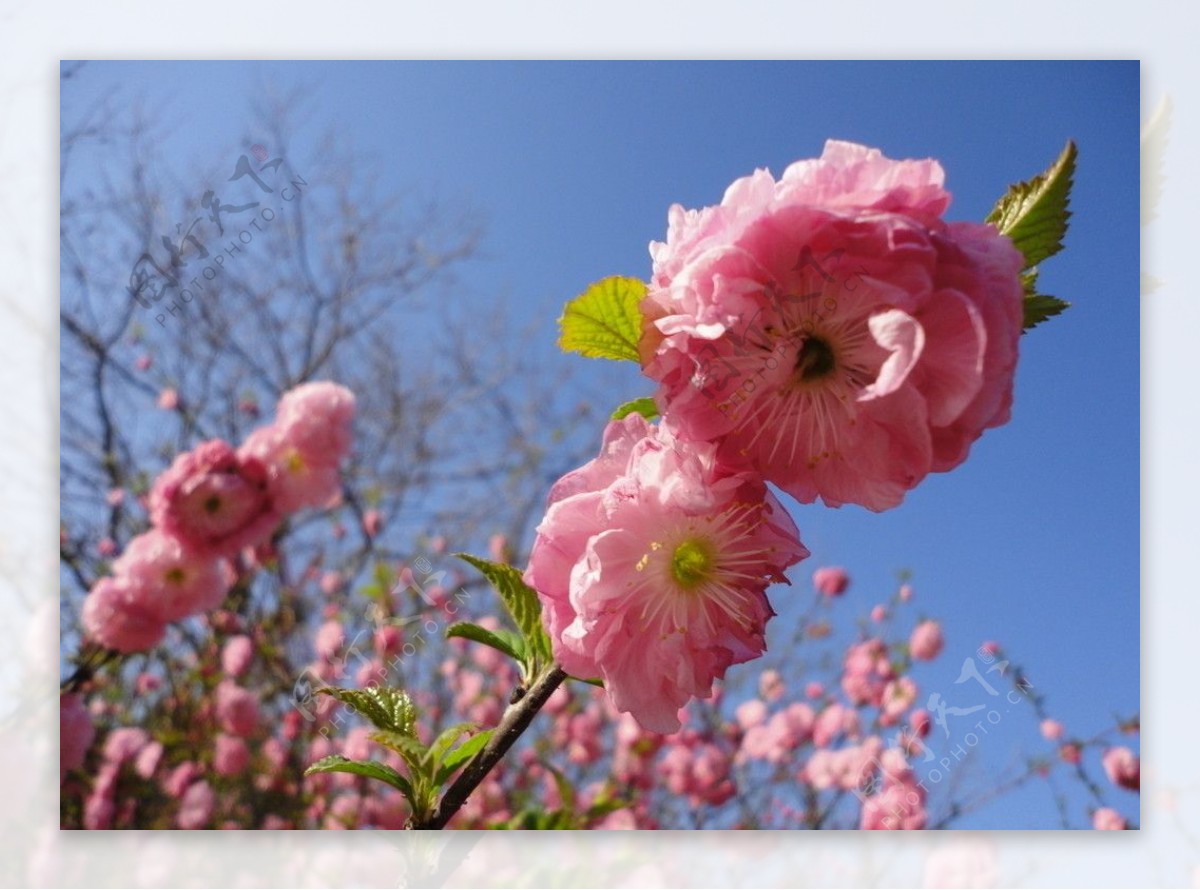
(196, 807)
(75, 733)
(168, 399)
(331, 583)
(388, 639)
(652, 564)
(115, 616)
(1070, 752)
(1108, 819)
(372, 522)
(237, 708)
(770, 685)
(498, 548)
(831, 329)
(831, 581)
(148, 759)
(906, 593)
(317, 418)
(331, 637)
(236, 655)
(178, 780)
(814, 690)
(115, 497)
(124, 744)
(230, 756)
(143, 363)
(106, 547)
(1123, 768)
(878, 614)
(926, 641)
(169, 580)
(751, 713)
(990, 647)
(831, 723)
(898, 696)
(920, 722)
(1052, 730)
(146, 683)
(298, 478)
(900, 803)
(215, 500)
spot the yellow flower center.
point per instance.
(692, 563)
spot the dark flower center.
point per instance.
(816, 360)
(212, 504)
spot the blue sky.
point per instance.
(1034, 542)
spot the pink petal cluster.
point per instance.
(76, 733)
(831, 581)
(899, 804)
(926, 642)
(1123, 768)
(652, 564)
(1108, 819)
(831, 330)
(214, 500)
(306, 444)
(210, 504)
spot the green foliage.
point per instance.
(644, 406)
(336, 763)
(1039, 307)
(1034, 215)
(521, 601)
(506, 641)
(605, 321)
(393, 715)
(387, 709)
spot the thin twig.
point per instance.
(515, 721)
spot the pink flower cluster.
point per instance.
(775, 364)
(831, 330)
(652, 564)
(212, 503)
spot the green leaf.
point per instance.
(505, 641)
(448, 737)
(407, 746)
(605, 321)
(1038, 307)
(336, 763)
(387, 708)
(645, 407)
(1034, 214)
(594, 681)
(463, 753)
(522, 604)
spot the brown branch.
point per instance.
(515, 721)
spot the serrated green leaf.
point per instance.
(1039, 307)
(336, 763)
(460, 755)
(447, 737)
(522, 604)
(605, 321)
(409, 747)
(505, 641)
(1034, 214)
(387, 708)
(645, 407)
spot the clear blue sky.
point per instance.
(1034, 542)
